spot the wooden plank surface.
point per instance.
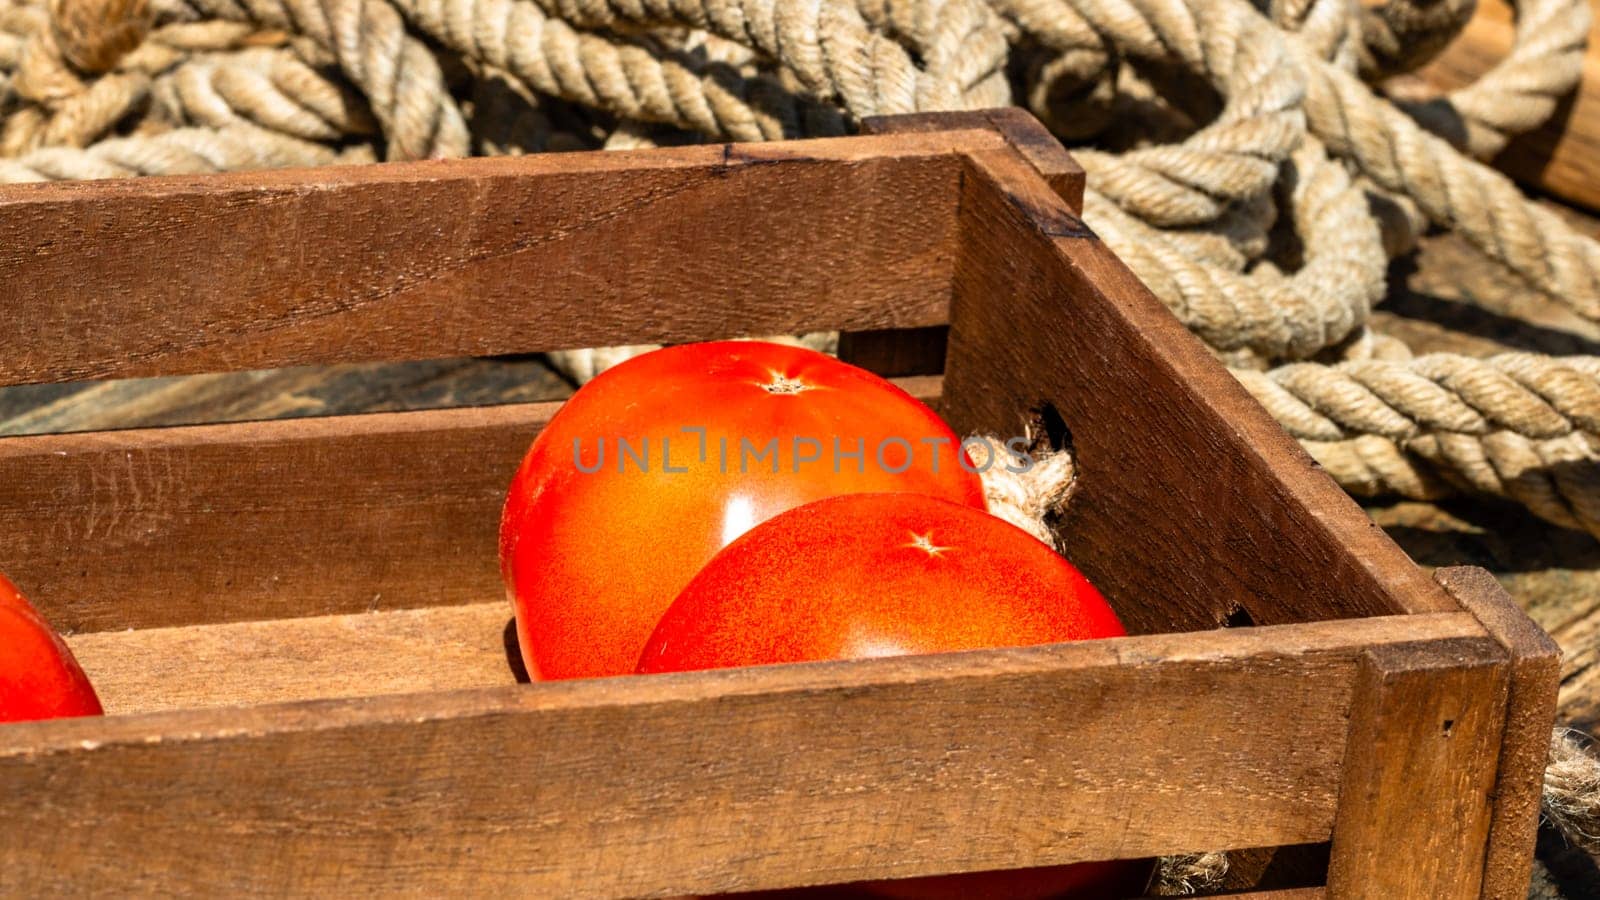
(298, 392)
(740, 779)
(1415, 803)
(1022, 131)
(1177, 465)
(1535, 674)
(922, 350)
(366, 654)
(265, 520)
(163, 276)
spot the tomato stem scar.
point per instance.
(783, 384)
(925, 543)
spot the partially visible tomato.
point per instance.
(1084, 881)
(39, 679)
(885, 575)
(875, 575)
(597, 538)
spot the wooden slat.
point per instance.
(1188, 490)
(1415, 801)
(1024, 133)
(740, 779)
(316, 658)
(276, 394)
(216, 523)
(1525, 743)
(259, 270)
(921, 351)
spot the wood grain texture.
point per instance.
(1579, 699)
(1525, 743)
(1179, 468)
(149, 528)
(733, 780)
(1562, 156)
(1024, 133)
(371, 654)
(163, 276)
(1416, 798)
(277, 394)
(216, 523)
(922, 351)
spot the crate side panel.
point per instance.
(1417, 794)
(1535, 661)
(365, 654)
(1191, 502)
(729, 780)
(475, 257)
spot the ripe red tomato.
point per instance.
(875, 575)
(659, 462)
(1083, 881)
(39, 679)
(884, 575)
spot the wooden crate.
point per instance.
(301, 629)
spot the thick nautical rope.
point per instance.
(838, 50)
(271, 88)
(189, 151)
(623, 74)
(393, 69)
(1522, 90)
(1519, 425)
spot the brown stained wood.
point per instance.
(219, 523)
(1022, 132)
(922, 351)
(1525, 744)
(367, 654)
(1562, 156)
(276, 394)
(1416, 796)
(1192, 502)
(739, 779)
(1579, 701)
(268, 520)
(162, 276)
